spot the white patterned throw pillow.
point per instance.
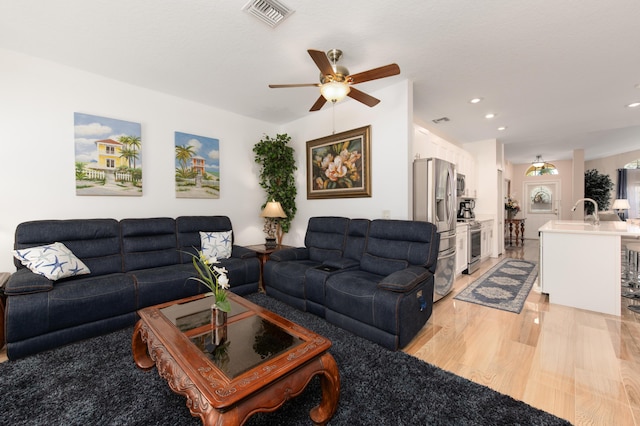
(54, 261)
(216, 244)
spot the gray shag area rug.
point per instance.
(505, 286)
(95, 382)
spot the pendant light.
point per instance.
(539, 162)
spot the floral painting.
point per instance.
(197, 166)
(340, 165)
(108, 156)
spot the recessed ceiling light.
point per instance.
(638, 86)
(633, 105)
(490, 115)
(501, 128)
(475, 100)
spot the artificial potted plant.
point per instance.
(277, 167)
(597, 187)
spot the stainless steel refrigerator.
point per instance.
(434, 200)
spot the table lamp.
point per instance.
(621, 204)
(272, 212)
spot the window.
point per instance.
(633, 192)
(546, 169)
(631, 173)
(110, 150)
(111, 164)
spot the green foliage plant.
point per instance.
(277, 167)
(597, 187)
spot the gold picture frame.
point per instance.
(339, 166)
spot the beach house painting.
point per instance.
(197, 166)
(108, 156)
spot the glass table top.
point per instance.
(243, 343)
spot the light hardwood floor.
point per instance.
(576, 364)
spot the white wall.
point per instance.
(390, 122)
(37, 166)
(37, 102)
(610, 165)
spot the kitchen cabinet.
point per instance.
(465, 164)
(426, 145)
(462, 235)
(486, 239)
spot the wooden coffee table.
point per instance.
(254, 363)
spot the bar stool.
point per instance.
(632, 263)
(629, 267)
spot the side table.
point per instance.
(263, 254)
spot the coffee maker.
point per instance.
(466, 209)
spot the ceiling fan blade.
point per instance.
(319, 103)
(322, 62)
(376, 73)
(363, 97)
(280, 86)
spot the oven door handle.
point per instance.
(446, 253)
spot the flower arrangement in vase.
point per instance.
(216, 280)
(512, 207)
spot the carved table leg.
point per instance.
(330, 384)
(510, 232)
(522, 232)
(139, 348)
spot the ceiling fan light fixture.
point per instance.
(335, 91)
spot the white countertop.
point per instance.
(580, 227)
(484, 217)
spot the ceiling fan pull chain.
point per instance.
(333, 112)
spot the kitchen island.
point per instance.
(580, 263)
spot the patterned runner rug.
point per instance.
(505, 286)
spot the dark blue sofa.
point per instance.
(373, 278)
(134, 263)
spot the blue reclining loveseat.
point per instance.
(133, 263)
(373, 278)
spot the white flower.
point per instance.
(223, 281)
(336, 169)
(221, 271)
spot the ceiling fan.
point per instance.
(336, 82)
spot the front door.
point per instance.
(541, 203)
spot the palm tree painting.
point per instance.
(197, 166)
(108, 156)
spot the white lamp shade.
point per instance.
(273, 209)
(539, 161)
(621, 204)
(334, 91)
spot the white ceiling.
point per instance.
(557, 73)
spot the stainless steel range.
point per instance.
(473, 245)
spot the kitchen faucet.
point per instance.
(596, 218)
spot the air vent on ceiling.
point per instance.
(271, 12)
(441, 120)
